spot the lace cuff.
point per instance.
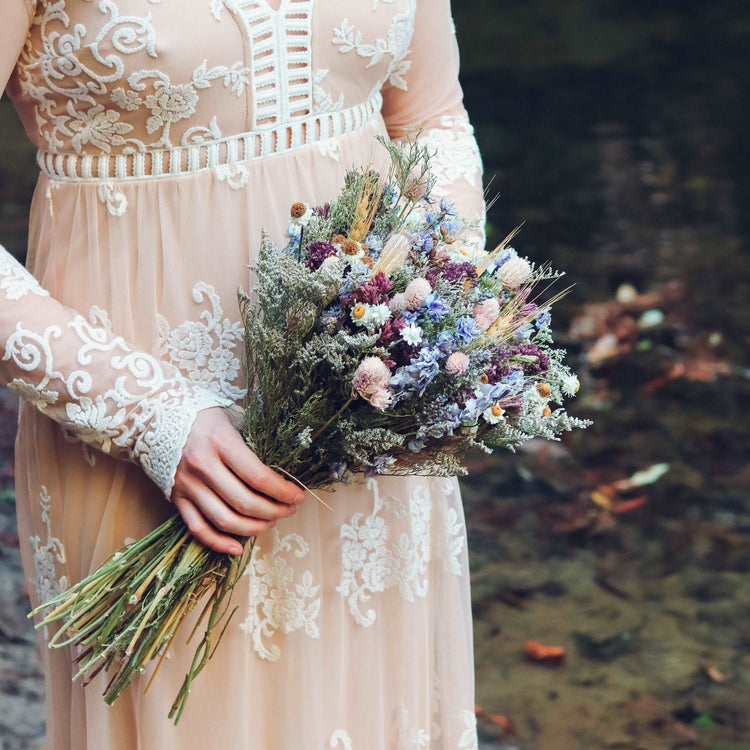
(457, 165)
(109, 394)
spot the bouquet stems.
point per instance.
(129, 610)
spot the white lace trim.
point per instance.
(15, 279)
(282, 60)
(211, 154)
(119, 399)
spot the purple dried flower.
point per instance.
(317, 252)
(373, 292)
(454, 273)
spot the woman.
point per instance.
(169, 135)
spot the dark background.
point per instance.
(618, 132)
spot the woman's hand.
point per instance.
(221, 487)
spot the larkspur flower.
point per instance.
(422, 241)
(466, 330)
(418, 374)
(543, 319)
(436, 306)
(374, 244)
(445, 342)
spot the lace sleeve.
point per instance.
(77, 371)
(428, 95)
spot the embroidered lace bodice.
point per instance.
(117, 94)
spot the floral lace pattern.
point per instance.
(79, 66)
(456, 153)
(205, 351)
(139, 408)
(341, 739)
(469, 739)
(46, 556)
(410, 736)
(395, 46)
(278, 602)
(15, 280)
(372, 562)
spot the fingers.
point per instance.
(205, 530)
(202, 531)
(251, 470)
(244, 500)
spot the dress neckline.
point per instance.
(269, 5)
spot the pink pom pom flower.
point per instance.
(486, 312)
(457, 363)
(371, 375)
(381, 399)
(514, 272)
(398, 302)
(416, 293)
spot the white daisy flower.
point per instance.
(412, 334)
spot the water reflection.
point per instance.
(617, 132)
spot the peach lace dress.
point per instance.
(169, 134)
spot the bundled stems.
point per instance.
(129, 610)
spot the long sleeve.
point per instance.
(425, 92)
(74, 368)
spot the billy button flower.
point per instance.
(300, 213)
(348, 247)
(546, 411)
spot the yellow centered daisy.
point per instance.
(497, 410)
(358, 311)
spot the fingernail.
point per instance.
(272, 524)
(236, 549)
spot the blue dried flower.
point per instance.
(466, 329)
(445, 343)
(544, 318)
(422, 241)
(375, 244)
(417, 375)
(435, 306)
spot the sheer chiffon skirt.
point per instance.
(353, 628)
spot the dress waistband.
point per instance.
(198, 157)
